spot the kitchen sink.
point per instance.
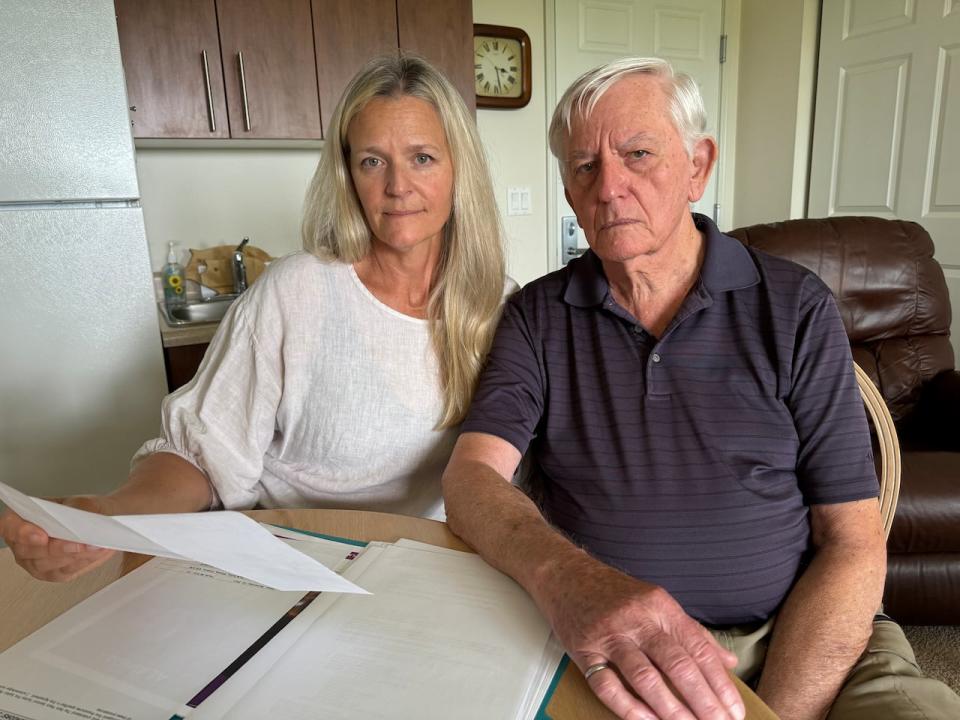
(201, 311)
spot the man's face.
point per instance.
(628, 176)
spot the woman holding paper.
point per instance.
(339, 378)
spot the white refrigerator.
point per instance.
(81, 362)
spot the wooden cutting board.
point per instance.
(219, 272)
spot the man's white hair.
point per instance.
(580, 99)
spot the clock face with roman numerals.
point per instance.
(497, 67)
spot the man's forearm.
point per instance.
(822, 630)
(651, 655)
(507, 529)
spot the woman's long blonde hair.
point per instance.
(466, 297)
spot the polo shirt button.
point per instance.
(637, 330)
(655, 357)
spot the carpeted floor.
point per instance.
(938, 651)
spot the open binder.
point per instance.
(442, 635)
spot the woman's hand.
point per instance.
(48, 558)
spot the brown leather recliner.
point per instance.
(894, 303)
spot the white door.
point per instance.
(887, 129)
(589, 33)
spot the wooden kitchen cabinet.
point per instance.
(298, 57)
(269, 68)
(182, 363)
(171, 58)
(442, 32)
(347, 35)
(173, 94)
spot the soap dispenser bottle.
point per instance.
(174, 281)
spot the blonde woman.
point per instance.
(339, 378)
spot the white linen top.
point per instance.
(313, 393)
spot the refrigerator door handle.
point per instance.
(243, 93)
(206, 78)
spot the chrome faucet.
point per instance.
(239, 269)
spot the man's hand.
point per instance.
(650, 644)
(48, 558)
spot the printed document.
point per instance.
(443, 635)
(147, 643)
(229, 541)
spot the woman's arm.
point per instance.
(160, 483)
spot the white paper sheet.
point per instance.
(146, 644)
(226, 540)
(553, 651)
(444, 635)
(218, 706)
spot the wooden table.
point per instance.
(27, 604)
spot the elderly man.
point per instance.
(703, 453)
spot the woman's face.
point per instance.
(402, 171)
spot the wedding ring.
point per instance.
(594, 669)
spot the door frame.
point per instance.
(806, 108)
(726, 124)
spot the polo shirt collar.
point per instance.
(727, 265)
(587, 286)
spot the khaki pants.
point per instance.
(885, 683)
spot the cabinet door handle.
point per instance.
(243, 93)
(206, 79)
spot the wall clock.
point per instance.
(501, 66)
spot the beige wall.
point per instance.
(777, 66)
(516, 143)
(204, 197)
(199, 198)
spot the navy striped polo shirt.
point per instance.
(687, 460)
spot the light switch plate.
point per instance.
(518, 201)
